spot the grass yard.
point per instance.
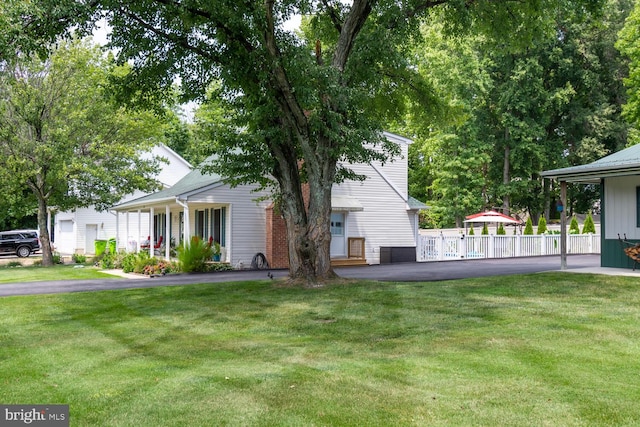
(553, 349)
(56, 272)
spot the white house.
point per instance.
(371, 221)
(76, 231)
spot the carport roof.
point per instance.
(622, 163)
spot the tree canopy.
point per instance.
(554, 103)
(64, 140)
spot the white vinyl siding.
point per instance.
(621, 207)
(384, 220)
(245, 223)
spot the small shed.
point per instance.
(619, 178)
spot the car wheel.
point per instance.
(23, 251)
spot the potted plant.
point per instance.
(215, 251)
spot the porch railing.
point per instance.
(440, 248)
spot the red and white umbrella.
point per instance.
(491, 216)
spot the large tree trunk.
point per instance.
(307, 219)
(45, 240)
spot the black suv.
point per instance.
(21, 243)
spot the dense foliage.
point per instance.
(553, 104)
(64, 142)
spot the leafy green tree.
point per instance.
(588, 226)
(528, 228)
(303, 104)
(542, 225)
(574, 228)
(629, 46)
(64, 140)
(554, 104)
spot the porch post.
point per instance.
(151, 232)
(186, 237)
(167, 230)
(117, 230)
(563, 226)
(127, 224)
(139, 230)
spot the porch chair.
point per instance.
(146, 243)
(158, 245)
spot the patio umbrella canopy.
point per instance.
(491, 216)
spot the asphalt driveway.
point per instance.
(403, 272)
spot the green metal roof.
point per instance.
(190, 183)
(416, 204)
(622, 163)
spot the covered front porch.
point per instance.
(170, 224)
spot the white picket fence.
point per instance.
(440, 248)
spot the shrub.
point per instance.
(542, 226)
(12, 264)
(219, 266)
(108, 261)
(588, 226)
(157, 267)
(194, 257)
(141, 261)
(129, 262)
(471, 232)
(528, 228)
(79, 258)
(574, 228)
(485, 230)
(501, 231)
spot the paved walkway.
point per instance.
(404, 272)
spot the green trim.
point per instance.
(613, 255)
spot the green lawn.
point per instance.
(57, 272)
(553, 349)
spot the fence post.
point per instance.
(518, 245)
(440, 243)
(543, 244)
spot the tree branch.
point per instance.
(333, 15)
(179, 41)
(360, 11)
(213, 18)
(288, 99)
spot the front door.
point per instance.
(338, 247)
(91, 234)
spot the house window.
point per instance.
(337, 224)
(211, 223)
(218, 225)
(66, 226)
(201, 224)
(159, 226)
